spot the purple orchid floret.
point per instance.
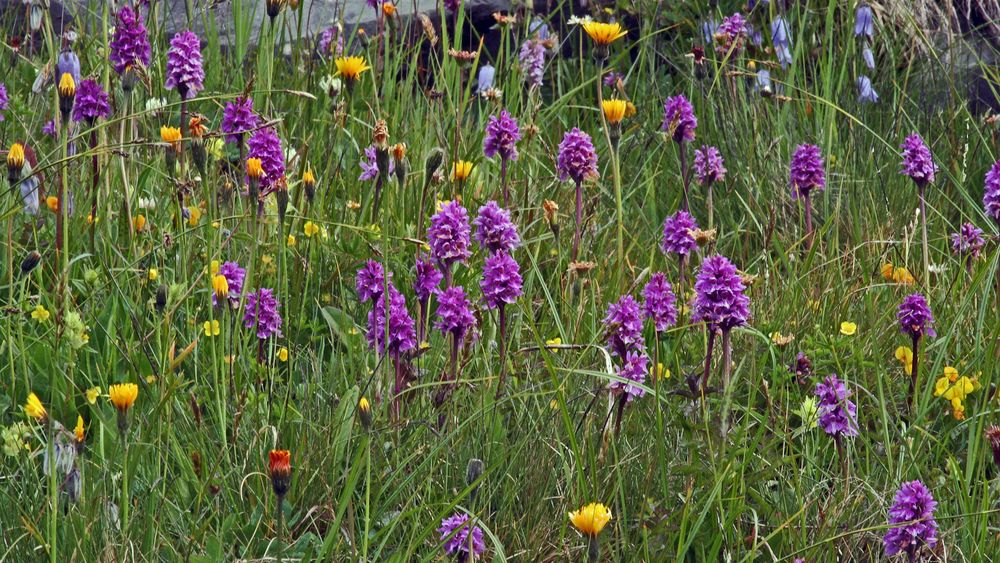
(968, 241)
(577, 158)
(370, 281)
(912, 522)
(184, 70)
(238, 118)
(457, 543)
(917, 160)
(678, 119)
(262, 312)
(369, 165)
(448, 234)
(806, 171)
(426, 279)
(720, 300)
(91, 102)
(838, 416)
(532, 60)
(660, 302)
(623, 326)
(708, 166)
(130, 42)
(677, 237)
(634, 370)
(495, 231)
(991, 192)
(234, 275)
(501, 283)
(400, 330)
(454, 313)
(914, 316)
(266, 145)
(502, 135)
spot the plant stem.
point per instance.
(911, 395)
(708, 361)
(579, 221)
(923, 232)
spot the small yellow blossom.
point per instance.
(150, 379)
(848, 328)
(34, 408)
(123, 395)
(283, 354)
(614, 110)
(553, 341)
(461, 170)
(255, 169)
(905, 355)
(92, 394)
(590, 519)
(310, 229)
(170, 135)
(212, 328)
(350, 68)
(139, 222)
(40, 314)
(194, 216)
(661, 371)
(353, 205)
(291, 240)
(153, 274)
(78, 429)
(267, 259)
(220, 286)
(52, 202)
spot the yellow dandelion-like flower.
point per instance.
(34, 408)
(212, 328)
(153, 274)
(170, 134)
(139, 222)
(291, 240)
(283, 354)
(590, 519)
(604, 34)
(461, 170)
(92, 394)
(310, 229)
(848, 328)
(614, 110)
(194, 216)
(78, 429)
(40, 314)
(67, 86)
(123, 395)
(350, 68)
(255, 169)
(220, 286)
(15, 157)
(52, 202)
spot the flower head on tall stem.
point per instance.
(234, 276)
(914, 316)
(991, 192)
(806, 171)
(968, 241)
(462, 541)
(634, 367)
(426, 279)
(731, 34)
(501, 283)
(262, 312)
(369, 165)
(184, 70)
(448, 235)
(677, 234)
(370, 281)
(660, 302)
(678, 119)
(708, 166)
(912, 522)
(720, 300)
(502, 135)
(532, 62)
(623, 326)
(402, 335)
(577, 158)
(91, 102)
(837, 414)
(130, 42)
(34, 408)
(238, 119)
(280, 470)
(123, 396)
(265, 145)
(454, 313)
(917, 160)
(495, 232)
